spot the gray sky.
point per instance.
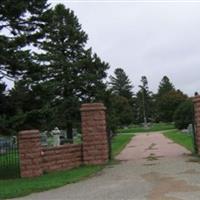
(146, 38)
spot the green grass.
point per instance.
(119, 142)
(24, 186)
(180, 138)
(152, 128)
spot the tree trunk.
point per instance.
(69, 132)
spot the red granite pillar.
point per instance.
(95, 142)
(30, 153)
(196, 101)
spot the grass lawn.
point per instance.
(180, 138)
(24, 186)
(152, 128)
(20, 187)
(119, 142)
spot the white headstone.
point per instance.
(56, 137)
(190, 129)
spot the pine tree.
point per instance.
(122, 94)
(70, 72)
(121, 85)
(144, 102)
(20, 23)
(165, 86)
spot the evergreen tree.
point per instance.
(70, 72)
(167, 100)
(165, 86)
(121, 85)
(20, 23)
(50, 84)
(144, 102)
(121, 88)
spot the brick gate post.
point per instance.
(95, 141)
(196, 101)
(30, 153)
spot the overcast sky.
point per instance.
(146, 38)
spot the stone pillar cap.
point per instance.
(92, 107)
(34, 131)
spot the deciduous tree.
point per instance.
(184, 114)
(169, 102)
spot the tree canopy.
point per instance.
(20, 24)
(165, 86)
(144, 101)
(184, 114)
(169, 102)
(61, 74)
(122, 98)
(121, 84)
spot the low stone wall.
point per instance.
(63, 157)
(35, 159)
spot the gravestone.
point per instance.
(56, 136)
(190, 129)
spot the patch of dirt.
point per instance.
(149, 164)
(131, 146)
(165, 185)
(152, 157)
(151, 147)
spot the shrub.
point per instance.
(183, 115)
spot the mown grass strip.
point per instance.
(180, 138)
(24, 186)
(152, 128)
(119, 142)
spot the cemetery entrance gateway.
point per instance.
(9, 158)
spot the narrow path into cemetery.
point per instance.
(151, 167)
(151, 146)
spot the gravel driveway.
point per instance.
(151, 167)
